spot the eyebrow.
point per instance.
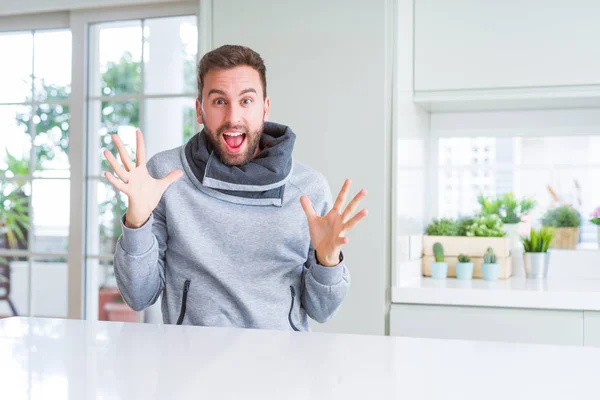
(216, 91)
(249, 90)
(222, 93)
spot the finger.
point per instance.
(355, 220)
(140, 150)
(342, 240)
(353, 205)
(119, 185)
(341, 198)
(114, 164)
(307, 207)
(173, 177)
(125, 159)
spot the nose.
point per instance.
(234, 114)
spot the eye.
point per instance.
(219, 101)
(247, 101)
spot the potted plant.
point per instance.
(510, 210)
(566, 221)
(106, 295)
(464, 268)
(463, 224)
(596, 221)
(118, 310)
(14, 218)
(439, 268)
(3, 277)
(468, 236)
(490, 267)
(486, 225)
(442, 227)
(536, 252)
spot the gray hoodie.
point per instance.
(220, 260)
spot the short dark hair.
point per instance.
(230, 56)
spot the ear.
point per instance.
(199, 112)
(267, 108)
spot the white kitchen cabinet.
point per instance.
(481, 45)
(490, 324)
(591, 328)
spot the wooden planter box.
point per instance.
(565, 238)
(474, 247)
(470, 246)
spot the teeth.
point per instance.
(234, 134)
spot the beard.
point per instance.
(252, 139)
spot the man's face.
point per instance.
(233, 111)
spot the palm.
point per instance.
(144, 191)
(328, 233)
(324, 231)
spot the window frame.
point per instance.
(32, 24)
(79, 22)
(513, 123)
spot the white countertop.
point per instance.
(556, 294)
(71, 359)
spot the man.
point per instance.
(224, 226)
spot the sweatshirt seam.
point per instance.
(137, 255)
(294, 185)
(317, 204)
(148, 274)
(326, 285)
(302, 191)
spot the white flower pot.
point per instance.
(536, 265)
(513, 232)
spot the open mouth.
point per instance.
(234, 141)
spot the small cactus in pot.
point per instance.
(490, 267)
(489, 257)
(464, 268)
(439, 268)
(438, 252)
(464, 259)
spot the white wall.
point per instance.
(410, 132)
(329, 79)
(474, 44)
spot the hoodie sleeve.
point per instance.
(139, 260)
(324, 288)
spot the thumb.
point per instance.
(173, 177)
